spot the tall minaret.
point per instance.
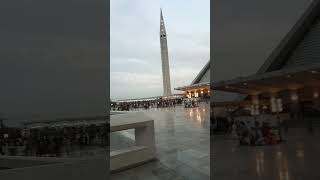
(164, 58)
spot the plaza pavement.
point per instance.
(183, 152)
(182, 142)
(295, 159)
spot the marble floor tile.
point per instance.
(182, 141)
(295, 159)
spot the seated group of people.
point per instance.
(53, 141)
(191, 103)
(258, 134)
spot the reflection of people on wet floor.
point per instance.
(279, 127)
(310, 128)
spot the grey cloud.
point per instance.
(53, 58)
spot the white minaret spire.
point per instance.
(164, 58)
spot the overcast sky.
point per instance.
(135, 44)
(246, 32)
(53, 58)
(53, 53)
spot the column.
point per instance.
(315, 97)
(255, 105)
(273, 103)
(294, 106)
(276, 107)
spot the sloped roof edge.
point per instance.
(280, 54)
(201, 73)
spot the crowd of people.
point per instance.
(248, 133)
(146, 104)
(190, 103)
(52, 141)
(258, 134)
(156, 103)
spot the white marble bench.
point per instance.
(144, 149)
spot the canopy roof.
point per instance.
(300, 46)
(202, 80)
(294, 63)
(193, 86)
(203, 76)
(274, 81)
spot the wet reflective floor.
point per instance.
(182, 142)
(183, 150)
(295, 159)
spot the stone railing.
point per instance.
(144, 148)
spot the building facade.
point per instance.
(200, 86)
(289, 80)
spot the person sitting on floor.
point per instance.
(244, 134)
